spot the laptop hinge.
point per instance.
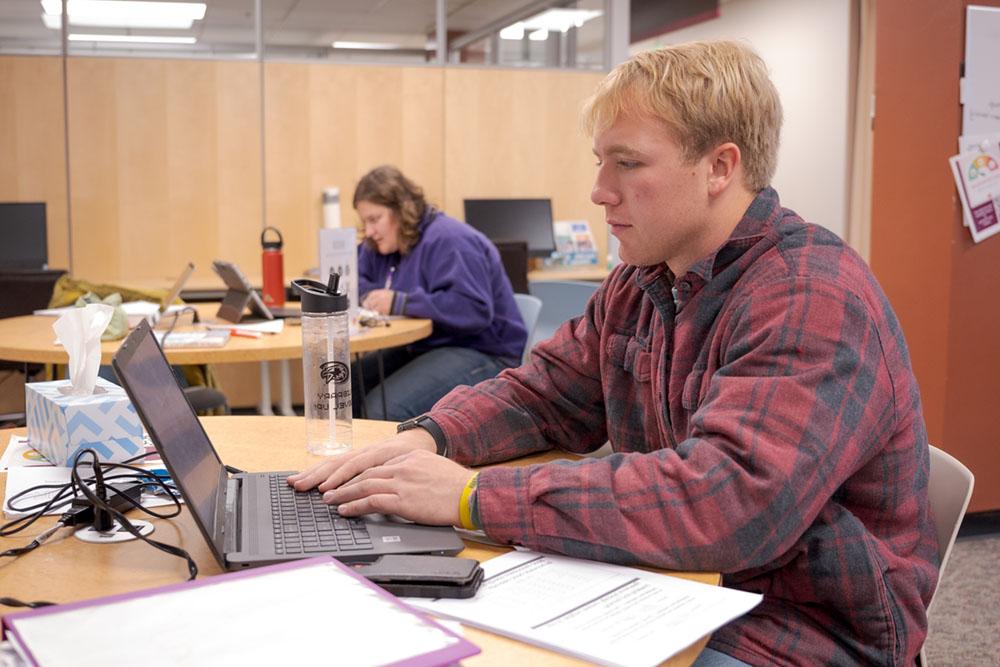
(231, 516)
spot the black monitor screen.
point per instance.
(22, 228)
(514, 220)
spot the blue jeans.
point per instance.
(414, 382)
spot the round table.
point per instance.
(66, 569)
(30, 339)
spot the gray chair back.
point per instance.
(562, 300)
(529, 307)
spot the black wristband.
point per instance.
(429, 425)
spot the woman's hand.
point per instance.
(379, 300)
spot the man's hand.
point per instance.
(379, 300)
(399, 475)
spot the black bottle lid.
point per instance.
(320, 298)
(270, 244)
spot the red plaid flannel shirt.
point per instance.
(765, 423)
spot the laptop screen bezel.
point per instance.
(130, 346)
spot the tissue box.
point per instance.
(60, 425)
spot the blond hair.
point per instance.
(706, 94)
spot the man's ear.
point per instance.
(725, 167)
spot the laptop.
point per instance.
(175, 290)
(242, 294)
(251, 519)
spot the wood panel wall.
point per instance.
(326, 125)
(164, 167)
(943, 287)
(165, 155)
(33, 143)
(513, 133)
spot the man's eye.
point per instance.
(628, 164)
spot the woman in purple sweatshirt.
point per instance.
(417, 261)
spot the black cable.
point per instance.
(69, 493)
(176, 316)
(14, 602)
(100, 504)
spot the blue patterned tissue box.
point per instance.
(60, 425)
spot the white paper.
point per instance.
(607, 614)
(977, 178)
(274, 326)
(135, 311)
(19, 453)
(316, 615)
(20, 478)
(981, 99)
(79, 330)
(338, 250)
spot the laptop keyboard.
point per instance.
(304, 524)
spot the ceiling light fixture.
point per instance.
(123, 13)
(374, 46)
(143, 39)
(539, 26)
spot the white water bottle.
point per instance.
(326, 366)
(331, 208)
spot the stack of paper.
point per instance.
(606, 614)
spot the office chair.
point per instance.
(23, 291)
(949, 488)
(514, 257)
(561, 300)
(529, 307)
(205, 399)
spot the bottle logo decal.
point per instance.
(334, 371)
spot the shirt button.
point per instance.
(685, 286)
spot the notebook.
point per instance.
(279, 615)
(242, 294)
(242, 516)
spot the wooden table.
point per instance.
(30, 339)
(65, 569)
(593, 272)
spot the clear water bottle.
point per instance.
(326, 366)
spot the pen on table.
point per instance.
(388, 278)
(243, 333)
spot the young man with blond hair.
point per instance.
(747, 369)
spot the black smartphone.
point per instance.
(424, 576)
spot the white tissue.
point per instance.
(79, 330)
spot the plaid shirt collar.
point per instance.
(756, 223)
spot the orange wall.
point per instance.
(945, 288)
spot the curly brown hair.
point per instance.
(387, 186)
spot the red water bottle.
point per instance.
(274, 269)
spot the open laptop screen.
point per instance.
(172, 424)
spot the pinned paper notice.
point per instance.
(977, 177)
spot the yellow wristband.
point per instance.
(464, 506)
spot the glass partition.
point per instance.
(351, 31)
(505, 33)
(22, 30)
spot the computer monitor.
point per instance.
(527, 220)
(22, 227)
